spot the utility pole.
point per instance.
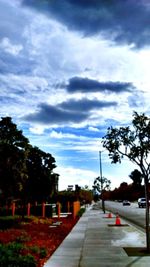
(101, 180)
(100, 169)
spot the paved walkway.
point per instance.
(96, 242)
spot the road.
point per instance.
(132, 213)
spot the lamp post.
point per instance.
(101, 180)
(100, 169)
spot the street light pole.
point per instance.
(100, 169)
(101, 180)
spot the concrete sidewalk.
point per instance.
(95, 241)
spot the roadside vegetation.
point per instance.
(133, 143)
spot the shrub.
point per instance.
(81, 211)
(14, 247)
(9, 255)
(8, 222)
(43, 253)
(34, 249)
(5, 211)
(23, 238)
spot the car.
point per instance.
(126, 203)
(142, 202)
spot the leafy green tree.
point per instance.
(133, 143)
(65, 196)
(42, 182)
(26, 172)
(14, 149)
(100, 185)
(137, 186)
(124, 191)
(85, 195)
(136, 177)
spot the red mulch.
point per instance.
(38, 233)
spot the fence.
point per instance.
(44, 209)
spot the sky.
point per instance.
(70, 69)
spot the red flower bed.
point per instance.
(38, 233)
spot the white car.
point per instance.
(142, 202)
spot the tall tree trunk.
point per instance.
(147, 214)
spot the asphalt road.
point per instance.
(132, 213)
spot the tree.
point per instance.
(136, 177)
(100, 185)
(14, 149)
(85, 195)
(133, 143)
(42, 182)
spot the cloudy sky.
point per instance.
(69, 69)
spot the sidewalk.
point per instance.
(96, 242)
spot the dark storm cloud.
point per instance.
(51, 115)
(77, 84)
(123, 21)
(85, 105)
(72, 111)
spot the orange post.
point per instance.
(68, 206)
(28, 209)
(43, 209)
(76, 208)
(58, 209)
(13, 208)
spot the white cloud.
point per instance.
(9, 47)
(116, 173)
(37, 130)
(93, 129)
(60, 135)
(72, 176)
